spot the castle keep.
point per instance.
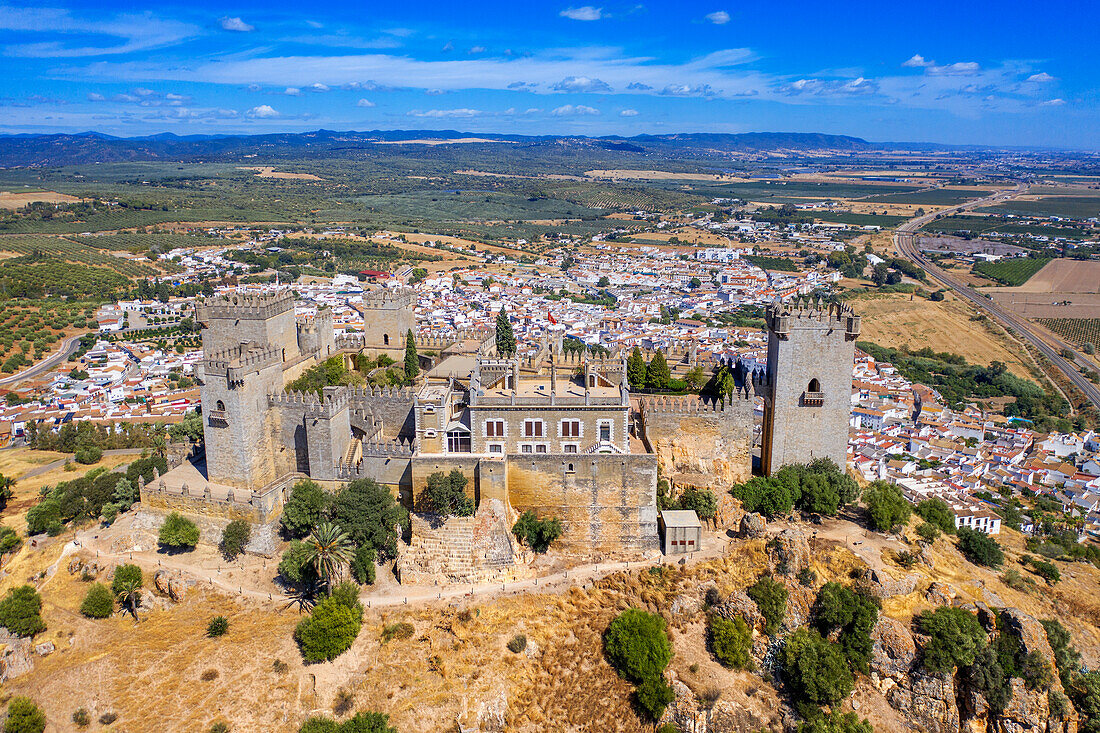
(556, 433)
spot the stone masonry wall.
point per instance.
(607, 503)
(708, 446)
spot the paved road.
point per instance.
(59, 463)
(1051, 347)
(68, 346)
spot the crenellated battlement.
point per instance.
(389, 299)
(802, 313)
(259, 306)
(690, 404)
(236, 364)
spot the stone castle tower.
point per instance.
(807, 386)
(245, 339)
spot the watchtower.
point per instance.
(807, 387)
(387, 316)
(246, 341)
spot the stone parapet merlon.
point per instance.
(245, 305)
(688, 404)
(802, 312)
(388, 299)
(235, 364)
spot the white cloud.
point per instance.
(718, 17)
(569, 110)
(129, 98)
(133, 32)
(465, 112)
(917, 61)
(318, 87)
(95, 97)
(581, 84)
(448, 46)
(364, 103)
(629, 113)
(434, 92)
(585, 12)
(1042, 77)
(263, 112)
(314, 24)
(292, 91)
(477, 49)
(1054, 102)
(235, 24)
(959, 68)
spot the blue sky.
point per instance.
(1001, 73)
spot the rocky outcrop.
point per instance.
(789, 552)
(927, 701)
(739, 605)
(752, 526)
(171, 585)
(1028, 710)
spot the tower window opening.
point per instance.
(815, 386)
(386, 339)
(220, 406)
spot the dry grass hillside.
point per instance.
(163, 673)
(897, 320)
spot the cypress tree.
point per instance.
(658, 375)
(635, 369)
(506, 340)
(412, 364)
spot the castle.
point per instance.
(556, 433)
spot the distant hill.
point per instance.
(92, 147)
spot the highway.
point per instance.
(68, 346)
(905, 238)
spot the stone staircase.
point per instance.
(461, 549)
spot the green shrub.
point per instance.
(731, 641)
(363, 565)
(517, 643)
(400, 630)
(955, 638)
(89, 455)
(81, 718)
(234, 538)
(854, 612)
(319, 724)
(296, 565)
(217, 626)
(764, 495)
(99, 602)
(700, 501)
(304, 508)
(1048, 571)
(24, 717)
(887, 507)
(928, 531)
(1058, 704)
(1066, 658)
(654, 695)
(445, 494)
(815, 669)
(20, 611)
(537, 533)
(771, 598)
(979, 548)
(637, 645)
(218, 727)
(328, 632)
(938, 513)
(368, 722)
(125, 574)
(178, 532)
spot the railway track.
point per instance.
(905, 239)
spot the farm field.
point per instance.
(1013, 272)
(1073, 207)
(1074, 330)
(71, 251)
(895, 320)
(934, 197)
(29, 330)
(19, 199)
(1065, 276)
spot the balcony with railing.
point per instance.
(217, 418)
(813, 399)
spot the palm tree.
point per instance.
(330, 550)
(129, 594)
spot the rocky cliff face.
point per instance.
(706, 449)
(945, 703)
